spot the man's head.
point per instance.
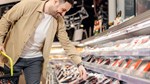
(58, 7)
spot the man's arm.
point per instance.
(10, 18)
(70, 49)
(66, 43)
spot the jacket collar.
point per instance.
(41, 6)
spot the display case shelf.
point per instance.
(139, 25)
(120, 76)
(98, 69)
(138, 52)
(134, 80)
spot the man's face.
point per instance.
(59, 9)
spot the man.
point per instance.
(27, 32)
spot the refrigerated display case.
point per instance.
(122, 53)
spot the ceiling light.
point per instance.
(92, 6)
(75, 2)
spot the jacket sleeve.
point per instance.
(10, 18)
(66, 43)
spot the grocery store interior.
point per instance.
(112, 37)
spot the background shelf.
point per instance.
(136, 26)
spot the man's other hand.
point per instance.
(82, 72)
(2, 48)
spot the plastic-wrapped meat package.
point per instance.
(112, 63)
(143, 68)
(134, 66)
(124, 65)
(119, 62)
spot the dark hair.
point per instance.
(70, 1)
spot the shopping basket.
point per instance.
(8, 78)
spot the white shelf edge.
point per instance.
(138, 52)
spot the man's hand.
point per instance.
(2, 58)
(2, 48)
(82, 72)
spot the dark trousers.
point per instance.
(32, 68)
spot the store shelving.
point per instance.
(120, 76)
(122, 52)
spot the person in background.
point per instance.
(27, 31)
